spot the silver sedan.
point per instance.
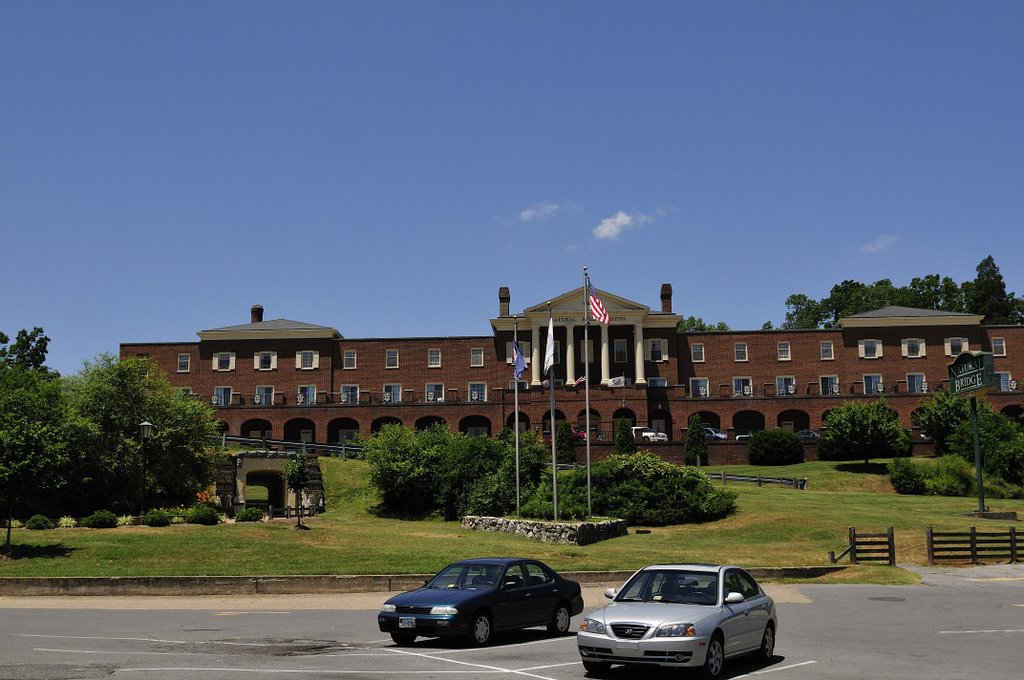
(680, 616)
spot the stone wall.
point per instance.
(578, 533)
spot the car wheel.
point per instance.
(480, 629)
(767, 650)
(595, 667)
(559, 623)
(403, 639)
(714, 662)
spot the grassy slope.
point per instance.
(775, 527)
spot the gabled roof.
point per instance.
(569, 308)
(275, 328)
(908, 316)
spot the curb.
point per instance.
(29, 586)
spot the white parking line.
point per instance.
(977, 632)
(777, 668)
(497, 669)
(159, 640)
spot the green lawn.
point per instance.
(774, 527)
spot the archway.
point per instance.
(660, 420)
(427, 422)
(263, 489)
(794, 420)
(710, 419)
(524, 422)
(300, 430)
(595, 423)
(378, 424)
(546, 423)
(257, 428)
(747, 422)
(1014, 412)
(475, 426)
(342, 430)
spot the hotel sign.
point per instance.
(971, 372)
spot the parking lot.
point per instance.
(957, 624)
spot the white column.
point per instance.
(606, 364)
(534, 355)
(570, 355)
(638, 336)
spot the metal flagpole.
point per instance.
(551, 389)
(586, 375)
(515, 381)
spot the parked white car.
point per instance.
(649, 435)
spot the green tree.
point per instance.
(28, 350)
(939, 416)
(625, 442)
(696, 452)
(296, 476)
(987, 296)
(999, 441)
(803, 312)
(565, 445)
(863, 430)
(695, 324)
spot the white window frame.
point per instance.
(476, 357)
(230, 358)
(781, 384)
(696, 383)
(347, 365)
(697, 353)
(218, 400)
(740, 352)
(523, 386)
(433, 396)
(300, 360)
(922, 384)
(862, 348)
(906, 346)
(947, 343)
(257, 397)
(305, 391)
(832, 381)
(827, 350)
(257, 361)
(657, 382)
(477, 386)
(742, 386)
(784, 350)
(524, 345)
(188, 363)
(869, 377)
(999, 347)
(661, 344)
(618, 344)
(348, 394)
(1003, 385)
(434, 357)
(387, 358)
(393, 395)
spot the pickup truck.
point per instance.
(649, 435)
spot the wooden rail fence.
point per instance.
(973, 545)
(868, 548)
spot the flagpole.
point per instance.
(586, 375)
(549, 352)
(515, 382)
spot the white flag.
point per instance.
(619, 381)
(549, 352)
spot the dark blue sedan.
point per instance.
(475, 598)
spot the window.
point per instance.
(699, 387)
(307, 360)
(785, 384)
(392, 394)
(221, 396)
(869, 349)
(913, 348)
(183, 392)
(349, 394)
(476, 357)
(348, 360)
(1003, 381)
(264, 396)
(697, 352)
(827, 353)
(916, 383)
(477, 391)
(740, 351)
(391, 358)
(587, 351)
(783, 350)
(265, 361)
(433, 358)
(657, 382)
(306, 394)
(829, 384)
(657, 349)
(998, 348)
(183, 363)
(558, 351)
(523, 385)
(524, 346)
(955, 346)
(742, 387)
(434, 392)
(873, 384)
(224, 361)
(620, 352)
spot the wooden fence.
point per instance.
(868, 548)
(795, 482)
(973, 545)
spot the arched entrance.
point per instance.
(622, 414)
(595, 423)
(660, 420)
(747, 422)
(794, 420)
(427, 422)
(378, 424)
(257, 428)
(546, 423)
(300, 430)
(475, 426)
(264, 489)
(342, 430)
(1014, 412)
(709, 419)
(524, 422)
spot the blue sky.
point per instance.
(384, 167)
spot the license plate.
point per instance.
(406, 622)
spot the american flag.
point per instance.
(597, 310)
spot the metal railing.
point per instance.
(343, 450)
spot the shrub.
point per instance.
(125, 521)
(861, 431)
(696, 452)
(950, 476)
(67, 523)
(38, 522)
(774, 447)
(625, 440)
(202, 514)
(565, 445)
(156, 518)
(249, 515)
(906, 477)
(101, 519)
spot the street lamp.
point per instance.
(145, 431)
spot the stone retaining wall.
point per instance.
(578, 533)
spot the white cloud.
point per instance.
(879, 244)
(611, 227)
(539, 211)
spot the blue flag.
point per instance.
(518, 361)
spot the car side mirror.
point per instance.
(734, 598)
(610, 593)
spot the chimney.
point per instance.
(503, 299)
(256, 314)
(666, 298)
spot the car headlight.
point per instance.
(390, 608)
(592, 626)
(676, 630)
(444, 611)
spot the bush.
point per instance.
(202, 514)
(67, 523)
(156, 518)
(38, 522)
(906, 477)
(863, 430)
(249, 515)
(947, 476)
(774, 447)
(696, 452)
(125, 521)
(625, 440)
(101, 519)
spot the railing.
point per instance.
(343, 450)
(868, 548)
(794, 482)
(973, 545)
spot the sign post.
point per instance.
(973, 373)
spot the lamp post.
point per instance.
(145, 431)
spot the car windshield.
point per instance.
(465, 575)
(671, 586)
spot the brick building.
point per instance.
(297, 381)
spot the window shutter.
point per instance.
(298, 360)
(860, 348)
(215, 357)
(904, 345)
(966, 344)
(256, 361)
(316, 359)
(231, 361)
(922, 347)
